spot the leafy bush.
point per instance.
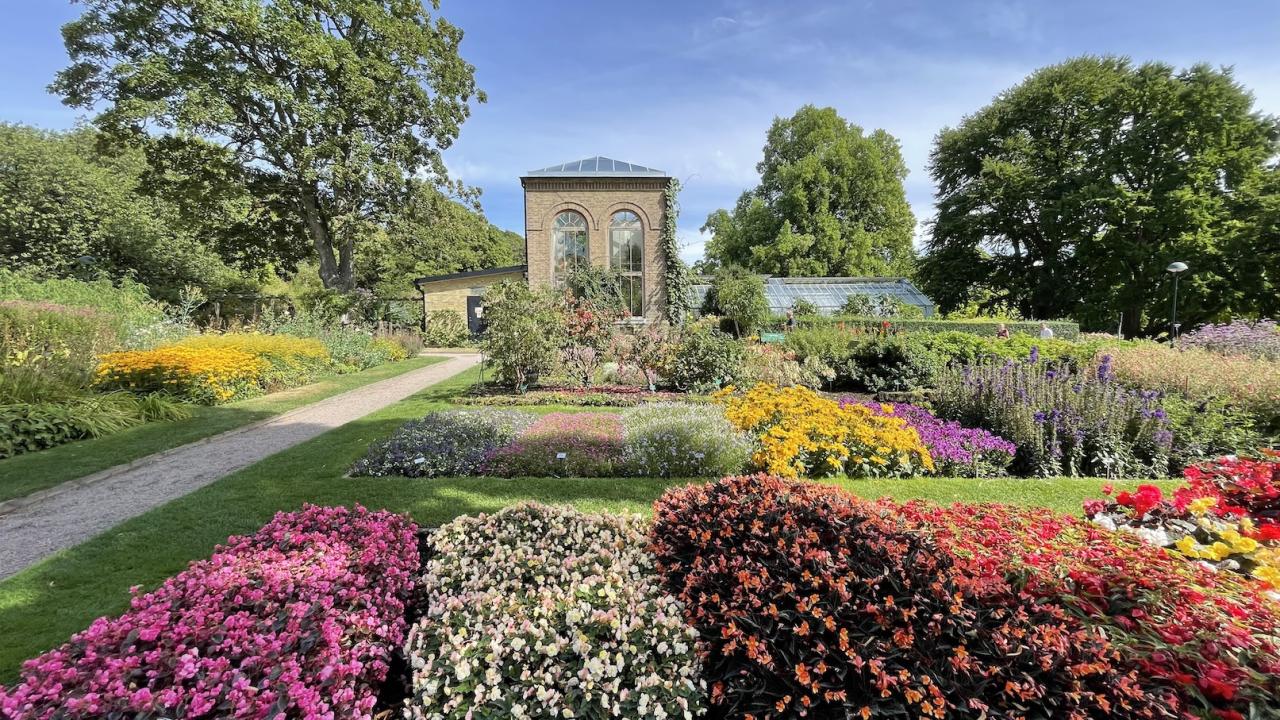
(1200, 375)
(137, 321)
(563, 445)
(780, 367)
(526, 330)
(1206, 429)
(798, 432)
(446, 329)
(681, 440)
(892, 363)
(812, 603)
(738, 295)
(408, 343)
(704, 359)
(1200, 643)
(649, 349)
(541, 612)
(801, 307)
(599, 396)
(957, 451)
(350, 348)
(589, 339)
(38, 425)
(444, 444)
(1063, 423)
(1260, 339)
(44, 334)
(297, 620)
(967, 348)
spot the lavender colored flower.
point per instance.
(956, 450)
(444, 444)
(1259, 339)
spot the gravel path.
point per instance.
(73, 512)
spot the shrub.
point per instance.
(1206, 429)
(1260, 339)
(43, 334)
(798, 432)
(547, 612)
(704, 359)
(448, 443)
(812, 603)
(446, 329)
(801, 307)
(526, 330)
(563, 445)
(137, 321)
(1201, 375)
(599, 396)
(589, 338)
(350, 348)
(37, 425)
(297, 620)
(680, 440)
(829, 345)
(892, 363)
(1063, 423)
(649, 349)
(738, 295)
(957, 451)
(780, 367)
(1202, 643)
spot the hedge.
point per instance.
(1061, 328)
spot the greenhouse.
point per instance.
(828, 294)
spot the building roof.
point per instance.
(419, 282)
(596, 167)
(828, 294)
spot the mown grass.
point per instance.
(42, 606)
(31, 472)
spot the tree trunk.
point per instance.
(1131, 325)
(336, 272)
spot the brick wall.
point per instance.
(596, 199)
(453, 294)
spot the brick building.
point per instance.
(599, 211)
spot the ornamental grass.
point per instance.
(813, 603)
(298, 620)
(800, 433)
(544, 612)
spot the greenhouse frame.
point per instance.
(828, 294)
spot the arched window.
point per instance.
(569, 236)
(626, 257)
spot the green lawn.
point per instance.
(25, 474)
(44, 605)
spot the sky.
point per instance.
(690, 87)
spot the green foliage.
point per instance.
(803, 308)
(71, 207)
(893, 363)
(1069, 194)
(704, 359)
(350, 348)
(598, 286)
(675, 274)
(446, 329)
(526, 329)
(433, 234)
(335, 104)
(738, 295)
(1207, 429)
(1062, 329)
(47, 334)
(830, 203)
(858, 305)
(135, 319)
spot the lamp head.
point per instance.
(1176, 267)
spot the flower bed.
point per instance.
(811, 602)
(548, 612)
(1202, 643)
(799, 432)
(1063, 422)
(598, 396)
(297, 620)
(655, 440)
(957, 451)
(214, 369)
(444, 444)
(1259, 339)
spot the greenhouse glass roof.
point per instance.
(597, 166)
(828, 294)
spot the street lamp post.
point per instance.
(1175, 269)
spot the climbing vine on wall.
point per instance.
(676, 274)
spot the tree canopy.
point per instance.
(341, 103)
(830, 203)
(1069, 194)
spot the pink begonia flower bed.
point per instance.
(298, 620)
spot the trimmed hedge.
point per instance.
(1061, 328)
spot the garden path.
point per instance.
(69, 514)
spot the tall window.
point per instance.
(626, 257)
(569, 235)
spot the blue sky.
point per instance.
(691, 87)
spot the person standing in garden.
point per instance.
(791, 320)
(1046, 332)
(1002, 332)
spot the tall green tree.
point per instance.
(1069, 194)
(830, 202)
(343, 101)
(70, 207)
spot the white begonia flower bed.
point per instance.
(546, 612)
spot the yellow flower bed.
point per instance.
(204, 375)
(213, 369)
(799, 432)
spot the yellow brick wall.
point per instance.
(453, 294)
(597, 199)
